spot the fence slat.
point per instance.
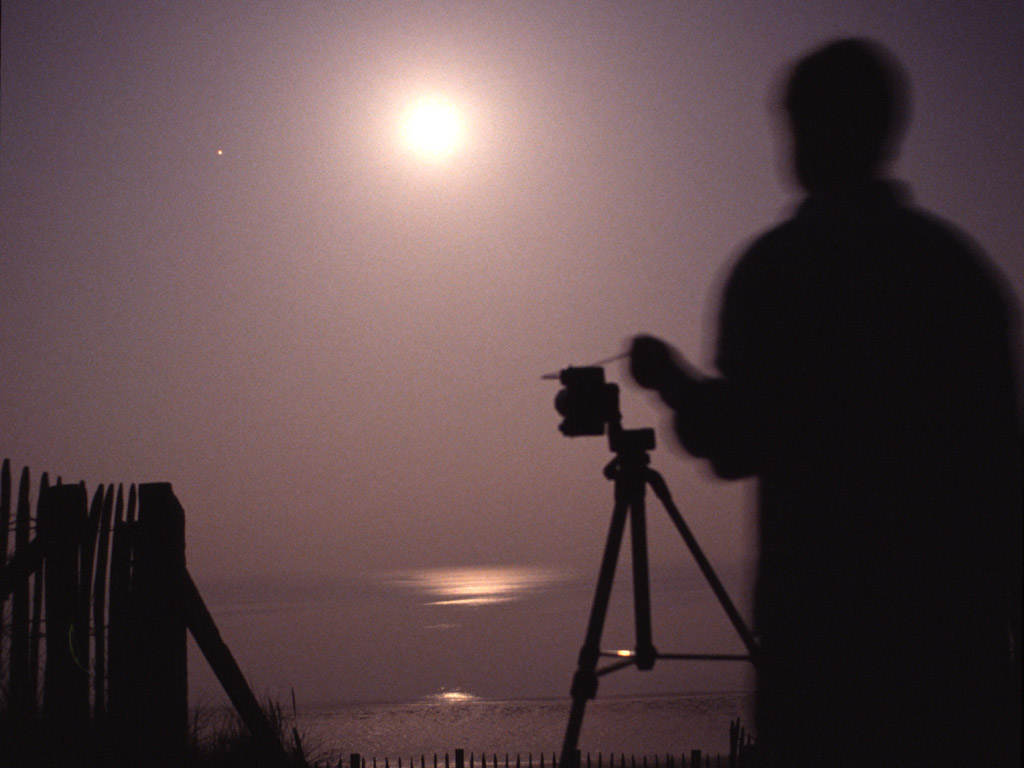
(22, 700)
(5, 524)
(38, 586)
(119, 621)
(86, 558)
(35, 636)
(99, 601)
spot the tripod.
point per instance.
(631, 474)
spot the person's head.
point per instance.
(847, 106)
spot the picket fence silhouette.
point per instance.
(741, 755)
(94, 642)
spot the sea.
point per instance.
(438, 725)
(457, 639)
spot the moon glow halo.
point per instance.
(433, 128)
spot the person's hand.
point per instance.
(651, 362)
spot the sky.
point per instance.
(223, 266)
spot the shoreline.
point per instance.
(470, 699)
(654, 724)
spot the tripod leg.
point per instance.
(660, 489)
(645, 652)
(584, 682)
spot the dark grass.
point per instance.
(216, 738)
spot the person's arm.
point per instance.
(709, 420)
(653, 364)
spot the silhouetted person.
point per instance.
(866, 352)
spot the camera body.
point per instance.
(588, 403)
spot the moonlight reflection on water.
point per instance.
(477, 585)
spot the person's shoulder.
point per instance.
(924, 225)
(950, 251)
(951, 263)
(765, 254)
(770, 242)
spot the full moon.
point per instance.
(433, 128)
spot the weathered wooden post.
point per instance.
(63, 517)
(22, 699)
(159, 657)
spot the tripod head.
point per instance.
(628, 441)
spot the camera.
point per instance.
(588, 403)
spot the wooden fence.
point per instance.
(97, 604)
(743, 753)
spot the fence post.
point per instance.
(159, 656)
(62, 518)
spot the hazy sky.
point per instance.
(220, 266)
